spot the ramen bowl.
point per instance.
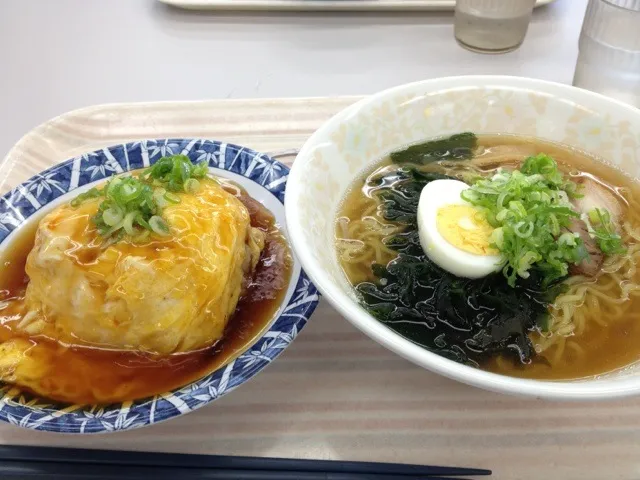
(358, 137)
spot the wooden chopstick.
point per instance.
(65, 461)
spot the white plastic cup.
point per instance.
(609, 58)
(492, 26)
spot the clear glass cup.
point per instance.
(492, 26)
(609, 58)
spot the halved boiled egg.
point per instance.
(453, 233)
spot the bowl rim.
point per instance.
(587, 389)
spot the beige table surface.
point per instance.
(334, 393)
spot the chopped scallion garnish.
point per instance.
(604, 232)
(529, 208)
(158, 225)
(175, 172)
(133, 205)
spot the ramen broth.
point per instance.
(606, 338)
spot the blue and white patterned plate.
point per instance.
(263, 178)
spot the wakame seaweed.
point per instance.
(462, 319)
(400, 193)
(455, 147)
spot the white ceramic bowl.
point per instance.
(343, 147)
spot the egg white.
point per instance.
(435, 195)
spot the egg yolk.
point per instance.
(465, 228)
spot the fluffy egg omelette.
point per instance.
(453, 233)
(167, 295)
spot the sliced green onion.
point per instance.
(129, 191)
(192, 185)
(172, 197)
(159, 197)
(112, 186)
(529, 209)
(531, 179)
(546, 197)
(112, 230)
(595, 215)
(525, 262)
(200, 170)
(497, 238)
(501, 198)
(184, 171)
(127, 224)
(603, 230)
(175, 171)
(554, 224)
(503, 215)
(517, 207)
(112, 216)
(142, 222)
(523, 232)
(158, 225)
(132, 203)
(567, 238)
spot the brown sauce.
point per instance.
(82, 375)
